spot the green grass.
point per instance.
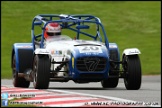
(127, 23)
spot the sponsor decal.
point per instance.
(52, 52)
(56, 52)
(135, 51)
(60, 52)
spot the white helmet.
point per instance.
(52, 29)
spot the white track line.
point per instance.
(105, 97)
(85, 94)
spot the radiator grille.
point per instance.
(91, 64)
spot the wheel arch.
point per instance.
(131, 51)
(23, 53)
(15, 52)
(114, 47)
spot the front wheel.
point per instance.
(41, 71)
(132, 71)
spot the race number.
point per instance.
(86, 49)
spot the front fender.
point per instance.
(131, 51)
(23, 53)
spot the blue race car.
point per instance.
(81, 53)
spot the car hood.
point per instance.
(62, 48)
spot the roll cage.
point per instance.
(66, 22)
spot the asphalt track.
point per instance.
(150, 91)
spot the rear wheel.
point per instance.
(18, 81)
(41, 69)
(132, 68)
(112, 82)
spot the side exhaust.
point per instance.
(27, 75)
(21, 75)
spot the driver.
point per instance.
(52, 30)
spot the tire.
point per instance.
(18, 81)
(41, 70)
(132, 68)
(112, 82)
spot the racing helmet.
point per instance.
(52, 29)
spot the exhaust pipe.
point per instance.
(21, 75)
(27, 75)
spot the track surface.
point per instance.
(150, 91)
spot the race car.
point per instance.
(82, 53)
